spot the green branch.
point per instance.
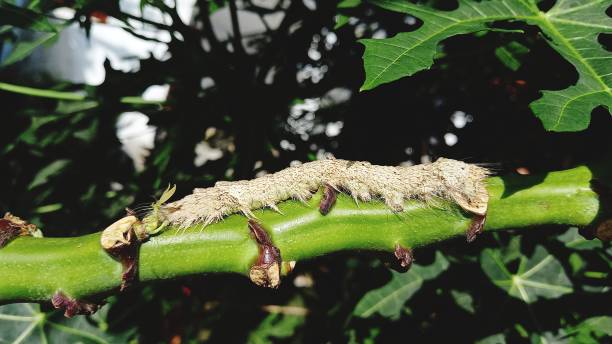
(34, 269)
(73, 96)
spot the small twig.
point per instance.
(286, 310)
(64, 95)
(238, 48)
(43, 93)
(147, 21)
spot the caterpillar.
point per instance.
(448, 179)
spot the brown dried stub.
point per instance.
(8, 232)
(122, 240)
(12, 227)
(118, 233)
(266, 271)
(404, 256)
(128, 255)
(476, 227)
(328, 200)
(603, 231)
(72, 306)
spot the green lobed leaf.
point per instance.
(25, 323)
(390, 298)
(572, 239)
(570, 27)
(539, 276)
(602, 325)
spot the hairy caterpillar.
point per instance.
(448, 179)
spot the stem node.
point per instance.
(266, 271)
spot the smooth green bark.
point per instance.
(33, 269)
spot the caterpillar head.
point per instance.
(464, 183)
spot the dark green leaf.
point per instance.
(276, 326)
(572, 239)
(539, 276)
(570, 27)
(280, 325)
(49, 208)
(48, 171)
(592, 330)
(464, 300)
(389, 299)
(25, 323)
(341, 20)
(349, 3)
(511, 54)
(494, 339)
(24, 18)
(23, 49)
(88, 133)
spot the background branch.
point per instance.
(238, 48)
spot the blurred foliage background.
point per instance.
(165, 92)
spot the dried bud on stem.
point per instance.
(476, 227)
(328, 200)
(404, 256)
(122, 240)
(266, 271)
(72, 306)
(12, 226)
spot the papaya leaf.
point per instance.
(570, 27)
(24, 49)
(572, 239)
(594, 327)
(26, 323)
(539, 276)
(390, 298)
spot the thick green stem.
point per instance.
(33, 269)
